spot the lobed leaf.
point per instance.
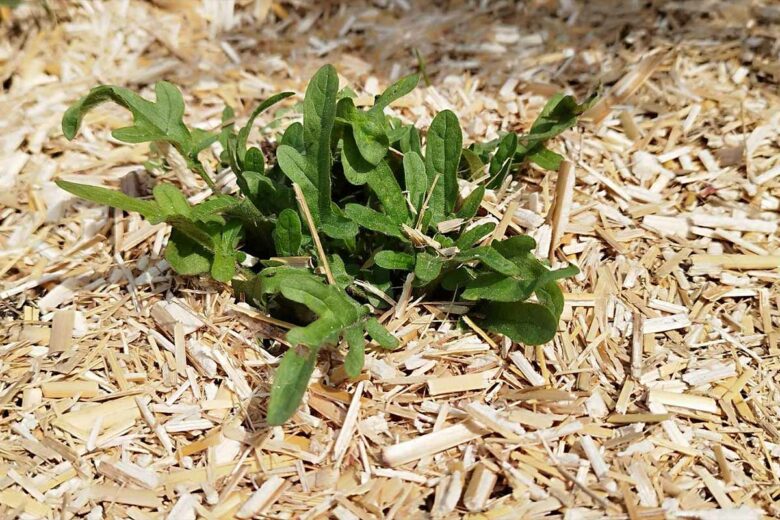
(151, 211)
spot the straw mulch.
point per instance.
(129, 392)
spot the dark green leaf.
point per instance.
(491, 258)
(368, 129)
(288, 234)
(498, 288)
(415, 179)
(385, 186)
(290, 382)
(523, 322)
(474, 235)
(427, 266)
(394, 260)
(319, 114)
(442, 155)
(470, 206)
(373, 220)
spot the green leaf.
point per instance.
(546, 158)
(186, 256)
(385, 186)
(442, 154)
(491, 258)
(470, 206)
(254, 161)
(473, 235)
(355, 359)
(395, 91)
(243, 134)
(427, 267)
(475, 165)
(394, 260)
(373, 220)
(159, 121)
(415, 179)
(558, 115)
(290, 382)
(213, 206)
(368, 129)
(356, 169)
(224, 266)
(498, 288)
(380, 334)
(295, 166)
(523, 322)
(502, 160)
(171, 200)
(411, 142)
(335, 309)
(116, 199)
(288, 234)
(152, 121)
(319, 114)
(293, 136)
(518, 246)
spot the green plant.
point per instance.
(370, 205)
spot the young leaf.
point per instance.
(518, 246)
(287, 234)
(380, 334)
(395, 91)
(394, 260)
(415, 179)
(442, 155)
(523, 322)
(290, 382)
(116, 199)
(411, 142)
(293, 136)
(475, 165)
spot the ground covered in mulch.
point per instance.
(127, 391)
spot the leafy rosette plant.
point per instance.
(366, 198)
